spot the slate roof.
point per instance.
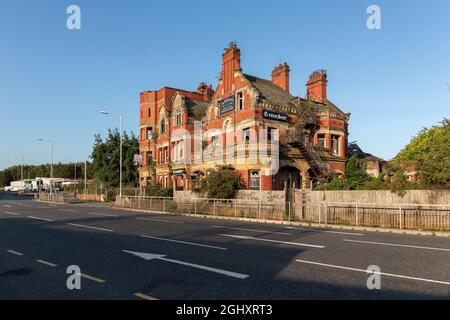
(354, 149)
(277, 96)
(196, 109)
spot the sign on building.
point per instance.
(178, 171)
(272, 115)
(226, 105)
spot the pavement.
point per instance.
(129, 255)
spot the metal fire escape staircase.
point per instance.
(300, 138)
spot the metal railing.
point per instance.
(237, 208)
(397, 216)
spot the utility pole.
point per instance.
(85, 179)
(21, 169)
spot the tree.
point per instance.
(355, 175)
(429, 152)
(399, 183)
(222, 183)
(106, 155)
(60, 170)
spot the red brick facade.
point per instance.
(237, 121)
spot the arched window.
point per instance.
(163, 126)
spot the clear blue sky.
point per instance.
(54, 81)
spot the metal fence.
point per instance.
(217, 207)
(397, 216)
(54, 197)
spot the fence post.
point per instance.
(289, 205)
(151, 203)
(195, 206)
(139, 203)
(235, 208)
(320, 213)
(356, 213)
(164, 205)
(214, 205)
(400, 217)
(259, 209)
(326, 213)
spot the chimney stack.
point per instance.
(205, 90)
(231, 62)
(280, 76)
(317, 86)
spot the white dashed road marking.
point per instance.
(89, 227)
(274, 241)
(37, 218)
(397, 245)
(325, 231)
(251, 230)
(365, 271)
(11, 213)
(102, 214)
(184, 242)
(158, 220)
(66, 210)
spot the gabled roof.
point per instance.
(270, 91)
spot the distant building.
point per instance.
(39, 183)
(373, 165)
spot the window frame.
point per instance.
(337, 139)
(319, 135)
(240, 101)
(162, 126)
(251, 179)
(178, 116)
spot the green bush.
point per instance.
(222, 183)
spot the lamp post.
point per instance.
(21, 165)
(51, 163)
(120, 156)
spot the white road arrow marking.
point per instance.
(151, 256)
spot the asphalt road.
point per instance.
(128, 255)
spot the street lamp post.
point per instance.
(51, 163)
(21, 165)
(121, 142)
